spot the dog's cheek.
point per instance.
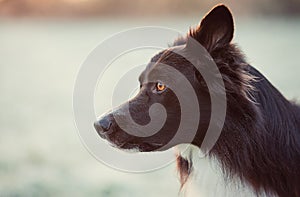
(139, 111)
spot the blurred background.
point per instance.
(44, 42)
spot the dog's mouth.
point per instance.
(121, 140)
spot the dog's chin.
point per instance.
(138, 147)
(134, 147)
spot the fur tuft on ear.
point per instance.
(215, 30)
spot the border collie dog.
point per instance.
(258, 150)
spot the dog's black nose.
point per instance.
(103, 125)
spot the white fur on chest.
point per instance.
(206, 178)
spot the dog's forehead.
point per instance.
(163, 57)
(150, 65)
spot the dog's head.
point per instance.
(214, 33)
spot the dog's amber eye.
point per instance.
(160, 87)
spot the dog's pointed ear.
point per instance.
(216, 28)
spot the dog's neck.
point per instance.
(260, 149)
(203, 176)
(219, 163)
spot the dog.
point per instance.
(258, 150)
